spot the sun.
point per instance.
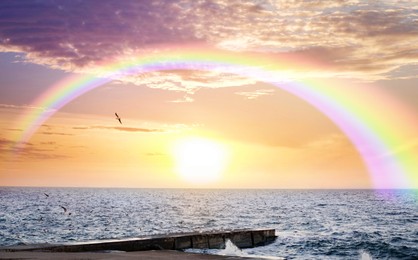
(199, 160)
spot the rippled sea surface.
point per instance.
(310, 224)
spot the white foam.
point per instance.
(232, 250)
(365, 255)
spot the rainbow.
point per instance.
(379, 126)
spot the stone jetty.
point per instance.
(206, 240)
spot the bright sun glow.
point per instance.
(199, 160)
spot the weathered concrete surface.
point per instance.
(143, 255)
(181, 243)
(210, 240)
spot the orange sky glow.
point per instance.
(269, 137)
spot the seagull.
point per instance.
(118, 118)
(47, 195)
(64, 208)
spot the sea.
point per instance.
(310, 224)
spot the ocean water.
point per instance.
(310, 224)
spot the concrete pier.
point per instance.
(138, 255)
(208, 240)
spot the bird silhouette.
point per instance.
(47, 195)
(118, 118)
(64, 208)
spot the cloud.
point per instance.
(9, 106)
(9, 152)
(5, 142)
(256, 94)
(188, 81)
(48, 143)
(54, 133)
(78, 33)
(120, 128)
(352, 38)
(19, 107)
(14, 129)
(185, 99)
(80, 127)
(134, 129)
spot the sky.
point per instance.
(265, 134)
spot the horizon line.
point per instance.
(197, 188)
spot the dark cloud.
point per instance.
(84, 32)
(371, 37)
(373, 23)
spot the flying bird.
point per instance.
(64, 208)
(47, 195)
(118, 118)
